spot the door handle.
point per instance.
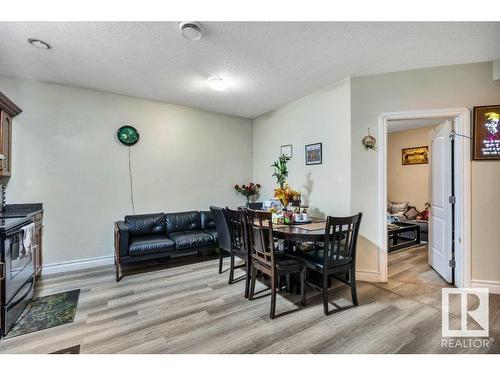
(2, 274)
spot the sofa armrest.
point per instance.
(122, 238)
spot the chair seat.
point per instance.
(285, 264)
(150, 244)
(314, 259)
(191, 239)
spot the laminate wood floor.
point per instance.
(182, 307)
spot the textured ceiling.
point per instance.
(268, 63)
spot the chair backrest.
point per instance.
(237, 229)
(341, 236)
(260, 233)
(255, 205)
(221, 227)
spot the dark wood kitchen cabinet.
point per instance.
(38, 243)
(8, 110)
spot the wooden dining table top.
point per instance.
(314, 231)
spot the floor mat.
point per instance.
(46, 312)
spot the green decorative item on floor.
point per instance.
(128, 135)
(47, 312)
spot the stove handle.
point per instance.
(2, 274)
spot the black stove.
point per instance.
(12, 222)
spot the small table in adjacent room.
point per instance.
(402, 235)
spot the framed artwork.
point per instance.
(486, 133)
(286, 150)
(314, 154)
(415, 155)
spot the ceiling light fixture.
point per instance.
(39, 43)
(217, 83)
(190, 30)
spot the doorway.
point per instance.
(444, 241)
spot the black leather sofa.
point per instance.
(154, 236)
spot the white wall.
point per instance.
(435, 88)
(323, 116)
(65, 155)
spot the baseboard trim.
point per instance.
(82, 264)
(77, 265)
(371, 276)
(493, 286)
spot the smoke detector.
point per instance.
(190, 30)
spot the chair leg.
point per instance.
(231, 269)
(274, 282)
(354, 292)
(287, 284)
(247, 278)
(118, 270)
(221, 257)
(325, 295)
(252, 283)
(303, 275)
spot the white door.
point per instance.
(440, 219)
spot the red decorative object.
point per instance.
(248, 191)
(425, 213)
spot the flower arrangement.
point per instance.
(286, 195)
(248, 191)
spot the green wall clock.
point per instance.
(128, 135)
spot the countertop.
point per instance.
(26, 209)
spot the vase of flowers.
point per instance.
(248, 191)
(286, 195)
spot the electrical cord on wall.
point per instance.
(131, 183)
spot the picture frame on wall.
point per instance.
(286, 150)
(415, 155)
(314, 153)
(486, 133)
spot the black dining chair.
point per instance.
(266, 260)
(239, 244)
(222, 233)
(337, 257)
(255, 206)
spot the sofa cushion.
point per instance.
(146, 224)
(397, 207)
(191, 239)
(207, 219)
(411, 214)
(182, 221)
(213, 233)
(150, 244)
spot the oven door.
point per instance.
(17, 305)
(19, 264)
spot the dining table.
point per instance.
(314, 231)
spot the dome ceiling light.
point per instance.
(190, 30)
(217, 83)
(39, 43)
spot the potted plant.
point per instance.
(248, 191)
(281, 170)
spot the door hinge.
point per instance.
(452, 199)
(452, 263)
